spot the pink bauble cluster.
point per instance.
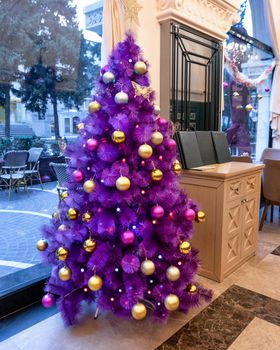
(48, 300)
(91, 144)
(128, 237)
(190, 214)
(157, 212)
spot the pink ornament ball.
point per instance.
(48, 300)
(190, 214)
(128, 237)
(91, 144)
(157, 212)
(162, 121)
(267, 89)
(171, 144)
(78, 175)
(225, 84)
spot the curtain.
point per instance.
(273, 15)
(112, 28)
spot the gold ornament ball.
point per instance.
(171, 302)
(148, 267)
(72, 214)
(173, 273)
(185, 247)
(94, 106)
(80, 126)
(62, 253)
(95, 283)
(89, 186)
(62, 227)
(42, 245)
(157, 175)
(89, 245)
(145, 151)
(249, 107)
(118, 136)
(123, 183)
(177, 167)
(157, 138)
(87, 216)
(201, 216)
(64, 195)
(64, 273)
(192, 288)
(139, 311)
(140, 67)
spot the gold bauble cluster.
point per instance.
(72, 214)
(156, 175)
(157, 138)
(64, 195)
(62, 253)
(89, 186)
(42, 245)
(140, 67)
(118, 136)
(89, 245)
(80, 126)
(173, 273)
(200, 216)
(87, 216)
(94, 106)
(123, 183)
(177, 168)
(185, 247)
(139, 311)
(192, 288)
(145, 151)
(95, 283)
(171, 302)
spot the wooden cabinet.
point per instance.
(229, 194)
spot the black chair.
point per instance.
(62, 177)
(13, 171)
(32, 171)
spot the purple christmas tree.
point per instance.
(120, 237)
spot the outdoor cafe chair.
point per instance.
(13, 171)
(60, 170)
(32, 171)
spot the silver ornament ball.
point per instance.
(156, 109)
(121, 98)
(108, 78)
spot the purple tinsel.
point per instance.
(113, 211)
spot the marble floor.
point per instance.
(244, 314)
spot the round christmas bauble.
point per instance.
(62, 227)
(157, 212)
(156, 175)
(72, 214)
(189, 214)
(140, 67)
(157, 138)
(78, 175)
(177, 167)
(108, 77)
(267, 89)
(94, 106)
(148, 267)
(89, 245)
(62, 253)
(225, 84)
(118, 136)
(145, 151)
(55, 215)
(123, 183)
(235, 94)
(121, 98)
(185, 247)
(42, 245)
(80, 126)
(91, 144)
(162, 121)
(171, 144)
(95, 283)
(173, 273)
(64, 195)
(64, 273)
(192, 288)
(89, 186)
(156, 109)
(171, 302)
(259, 96)
(200, 216)
(87, 216)
(48, 300)
(249, 107)
(128, 237)
(239, 107)
(139, 311)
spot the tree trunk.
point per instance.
(55, 116)
(7, 111)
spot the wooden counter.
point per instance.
(229, 194)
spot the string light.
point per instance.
(154, 222)
(149, 292)
(123, 160)
(160, 256)
(134, 227)
(151, 281)
(82, 270)
(112, 299)
(101, 180)
(118, 209)
(142, 162)
(160, 157)
(85, 289)
(179, 263)
(120, 290)
(84, 145)
(117, 269)
(158, 304)
(143, 192)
